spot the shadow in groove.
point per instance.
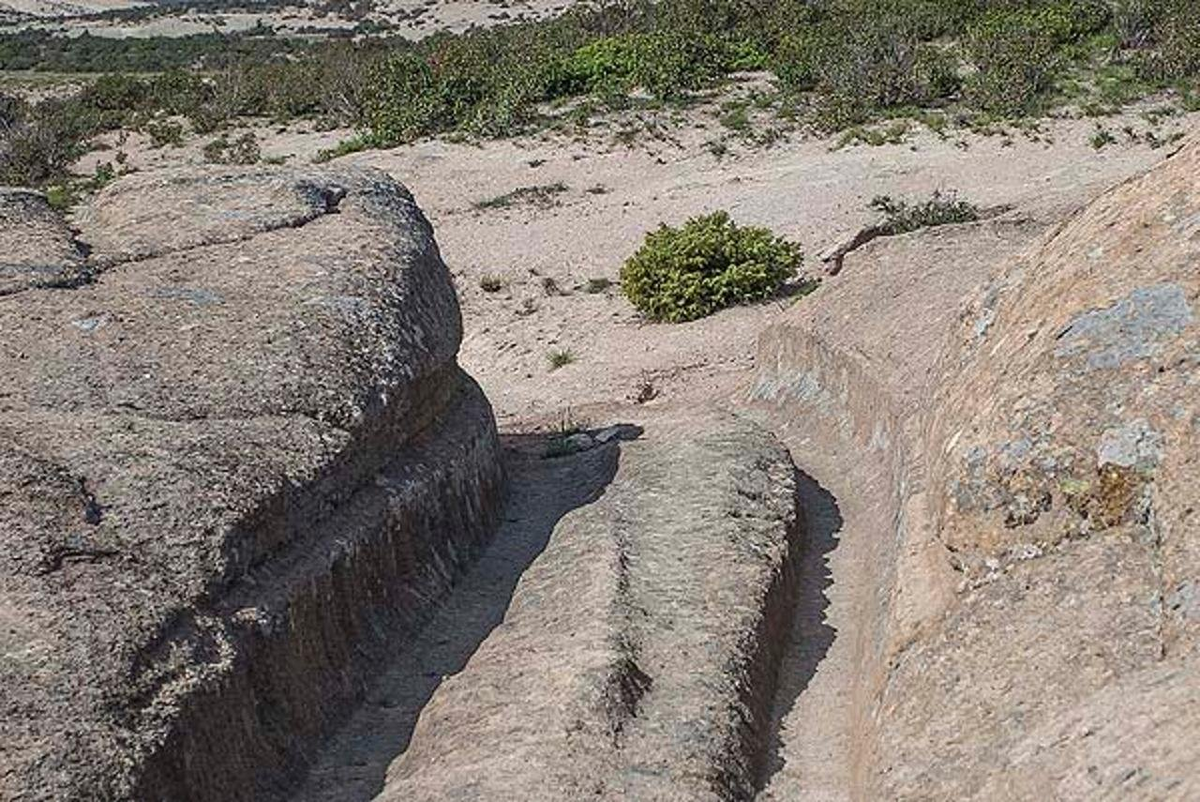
(353, 765)
(811, 634)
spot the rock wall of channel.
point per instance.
(237, 455)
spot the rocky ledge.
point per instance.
(236, 454)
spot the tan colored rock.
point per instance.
(36, 247)
(1013, 596)
(637, 657)
(1066, 478)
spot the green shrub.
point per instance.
(484, 82)
(12, 113)
(243, 150)
(41, 142)
(543, 196)
(797, 58)
(354, 144)
(901, 217)
(1069, 21)
(664, 63)
(1177, 36)
(164, 132)
(403, 102)
(560, 358)
(1015, 57)
(707, 264)
(864, 62)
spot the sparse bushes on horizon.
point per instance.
(707, 264)
(842, 63)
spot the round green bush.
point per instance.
(707, 264)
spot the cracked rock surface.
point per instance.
(37, 249)
(248, 394)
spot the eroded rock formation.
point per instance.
(637, 657)
(236, 452)
(1066, 470)
(1026, 627)
(237, 456)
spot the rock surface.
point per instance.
(37, 248)
(618, 640)
(839, 383)
(1064, 440)
(236, 456)
(1012, 602)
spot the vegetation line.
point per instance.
(838, 64)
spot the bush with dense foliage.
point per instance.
(1174, 30)
(1017, 52)
(707, 264)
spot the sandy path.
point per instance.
(812, 729)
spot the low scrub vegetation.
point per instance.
(542, 196)
(240, 150)
(560, 358)
(841, 63)
(709, 263)
(901, 217)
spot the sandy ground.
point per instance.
(551, 258)
(409, 18)
(545, 257)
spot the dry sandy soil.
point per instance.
(409, 18)
(547, 254)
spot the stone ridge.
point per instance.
(1063, 436)
(235, 456)
(1014, 594)
(37, 249)
(637, 657)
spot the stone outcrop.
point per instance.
(236, 455)
(36, 247)
(637, 657)
(841, 382)
(1064, 441)
(1028, 489)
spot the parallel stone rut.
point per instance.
(619, 639)
(813, 737)
(353, 766)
